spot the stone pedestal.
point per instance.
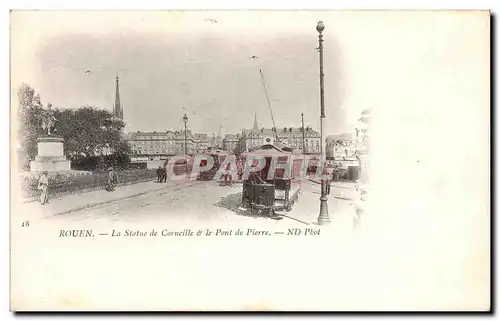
(50, 155)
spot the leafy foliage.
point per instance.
(30, 121)
(364, 123)
(90, 132)
(92, 136)
(366, 116)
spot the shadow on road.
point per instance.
(233, 203)
(281, 216)
(343, 198)
(344, 187)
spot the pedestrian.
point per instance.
(328, 184)
(158, 174)
(111, 179)
(43, 186)
(240, 168)
(229, 175)
(334, 174)
(164, 174)
(327, 180)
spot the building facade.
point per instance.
(251, 139)
(344, 145)
(163, 143)
(306, 140)
(216, 142)
(201, 142)
(230, 142)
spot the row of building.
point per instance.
(174, 142)
(306, 140)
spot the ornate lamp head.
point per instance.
(320, 27)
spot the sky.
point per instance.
(172, 62)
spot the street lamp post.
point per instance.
(303, 135)
(185, 119)
(323, 209)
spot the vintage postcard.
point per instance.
(250, 161)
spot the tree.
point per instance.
(363, 128)
(366, 115)
(91, 132)
(30, 115)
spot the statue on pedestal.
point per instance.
(49, 120)
(51, 157)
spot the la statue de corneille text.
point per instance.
(88, 233)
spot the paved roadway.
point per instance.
(50, 272)
(160, 272)
(204, 202)
(186, 201)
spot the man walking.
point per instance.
(158, 174)
(111, 179)
(335, 173)
(43, 186)
(163, 178)
(327, 180)
(239, 166)
(229, 175)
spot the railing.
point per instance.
(62, 185)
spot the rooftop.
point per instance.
(230, 137)
(281, 131)
(200, 136)
(344, 136)
(179, 134)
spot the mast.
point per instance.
(269, 104)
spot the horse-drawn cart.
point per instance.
(265, 193)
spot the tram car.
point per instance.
(181, 166)
(218, 159)
(264, 195)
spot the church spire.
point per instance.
(255, 126)
(117, 110)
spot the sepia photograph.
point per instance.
(250, 160)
